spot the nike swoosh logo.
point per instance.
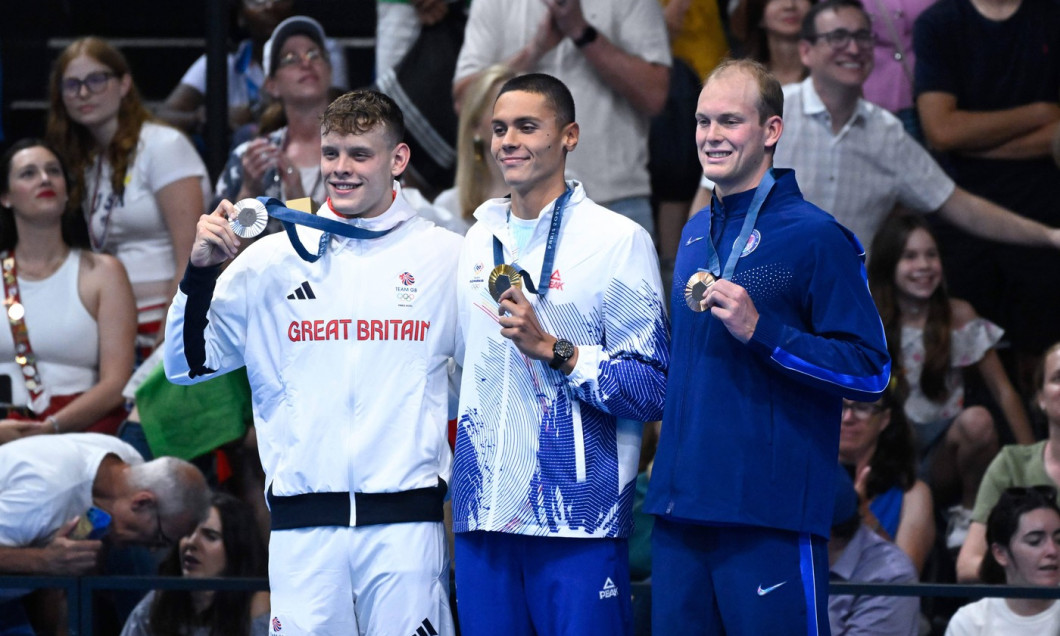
(763, 592)
(693, 240)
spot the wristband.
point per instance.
(54, 421)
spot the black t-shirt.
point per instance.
(989, 65)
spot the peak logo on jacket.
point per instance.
(350, 329)
(405, 291)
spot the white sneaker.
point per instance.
(958, 519)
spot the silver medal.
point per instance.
(250, 218)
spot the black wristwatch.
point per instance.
(587, 36)
(562, 351)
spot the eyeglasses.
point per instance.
(161, 540)
(1047, 492)
(95, 82)
(862, 410)
(260, 4)
(840, 38)
(292, 58)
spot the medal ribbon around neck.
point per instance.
(290, 218)
(700, 282)
(504, 276)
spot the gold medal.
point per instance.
(696, 289)
(250, 219)
(501, 278)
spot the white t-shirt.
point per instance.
(131, 226)
(992, 617)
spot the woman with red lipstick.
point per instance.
(227, 543)
(1023, 533)
(932, 338)
(67, 348)
(141, 184)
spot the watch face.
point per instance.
(563, 349)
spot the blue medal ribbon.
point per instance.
(713, 262)
(550, 249)
(290, 218)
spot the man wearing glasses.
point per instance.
(854, 159)
(63, 497)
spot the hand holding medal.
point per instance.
(215, 241)
(696, 290)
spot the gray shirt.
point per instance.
(868, 558)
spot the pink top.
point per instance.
(889, 85)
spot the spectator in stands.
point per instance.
(286, 164)
(988, 94)
(226, 543)
(617, 68)
(478, 177)
(73, 309)
(1017, 465)
(398, 24)
(140, 183)
(876, 443)
(184, 108)
(1023, 532)
(932, 338)
(890, 84)
(853, 158)
(767, 31)
(856, 554)
(55, 491)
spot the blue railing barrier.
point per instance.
(79, 590)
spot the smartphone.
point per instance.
(92, 525)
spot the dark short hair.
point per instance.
(555, 92)
(360, 111)
(809, 21)
(1004, 521)
(770, 100)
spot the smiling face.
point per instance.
(784, 17)
(359, 170)
(919, 270)
(202, 553)
(528, 142)
(1033, 555)
(93, 109)
(36, 185)
(731, 140)
(848, 66)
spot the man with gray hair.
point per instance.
(57, 494)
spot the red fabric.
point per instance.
(108, 424)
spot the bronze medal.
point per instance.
(501, 278)
(696, 289)
(250, 219)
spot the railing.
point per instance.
(80, 590)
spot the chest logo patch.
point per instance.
(753, 242)
(406, 291)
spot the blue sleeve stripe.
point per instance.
(868, 384)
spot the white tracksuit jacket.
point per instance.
(346, 356)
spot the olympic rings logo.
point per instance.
(406, 296)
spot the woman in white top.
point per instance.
(74, 308)
(141, 184)
(1023, 532)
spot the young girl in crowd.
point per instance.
(1023, 532)
(140, 184)
(932, 338)
(876, 441)
(71, 308)
(226, 544)
(1017, 465)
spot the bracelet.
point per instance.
(588, 36)
(54, 421)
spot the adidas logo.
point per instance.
(302, 292)
(425, 629)
(609, 590)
